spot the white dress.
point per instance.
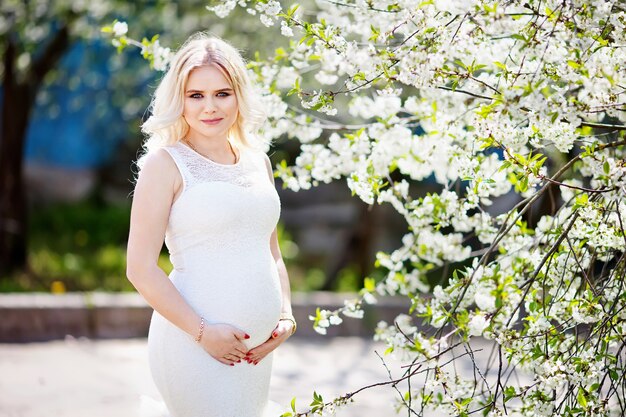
(218, 238)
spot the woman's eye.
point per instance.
(198, 95)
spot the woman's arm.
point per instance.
(278, 258)
(282, 273)
(153, 196)
(158, 183)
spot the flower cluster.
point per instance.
(151, 49)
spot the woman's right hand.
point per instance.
(224, 343)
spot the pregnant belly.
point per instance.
(244, 293)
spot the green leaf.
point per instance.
(573, 64)
(318, 105)
(293, 404)
(292, 10)
(509, 392)
(280, 53)
(581, 200)
(582, 397)
(500, 65)
(523, 184)
(460, 63)
(359, 76)
(318, 402)
(478, 67)
(486, 110)
(375, 33)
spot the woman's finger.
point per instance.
(237, 354)
(225, 361)
(259, 354)
(255, 356)
(259, 359)
(240, 351)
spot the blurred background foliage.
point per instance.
(82, 247)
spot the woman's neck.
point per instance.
(216, 150)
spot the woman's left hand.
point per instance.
(281, 332)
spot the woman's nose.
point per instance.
(209, 105)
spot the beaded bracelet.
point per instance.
(201, 330)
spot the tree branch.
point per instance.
(603, 125)
(52, 53)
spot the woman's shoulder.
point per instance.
(253, 151)
(158, 162)
(258, 155)
(160, 157)
(255, 148)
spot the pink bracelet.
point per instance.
(201, 330)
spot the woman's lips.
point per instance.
(211, 121)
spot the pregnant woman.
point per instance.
(207, 189)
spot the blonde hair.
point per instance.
(166, 124)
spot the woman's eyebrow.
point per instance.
(201, 91)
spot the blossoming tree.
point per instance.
(522, 100)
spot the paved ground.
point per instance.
(86, 378)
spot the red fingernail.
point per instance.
(274, 334)
(256, 362)
(232, 364)
(247, 336)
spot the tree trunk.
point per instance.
(12, 200)
(18, 100)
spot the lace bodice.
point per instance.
(196, 169)
(210, 213)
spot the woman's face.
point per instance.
(210, 106)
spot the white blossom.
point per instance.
(285, 29)
(120, 29)
(477, 325)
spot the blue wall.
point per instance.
(80, 127)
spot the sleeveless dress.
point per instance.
(218, 238)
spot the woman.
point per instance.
(206, 188)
